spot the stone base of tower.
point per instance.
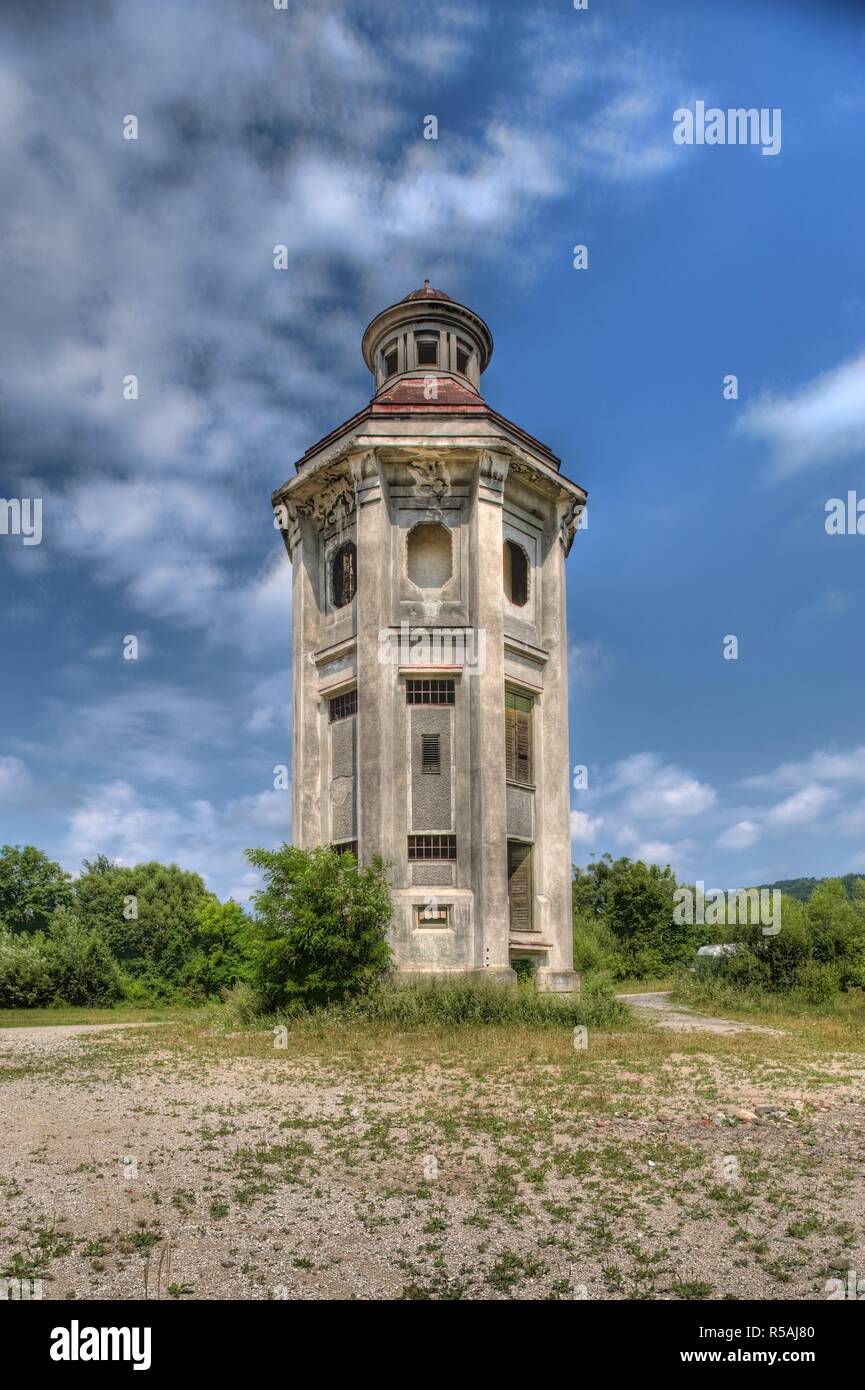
(551, 981)
(498, 975)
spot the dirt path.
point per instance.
(66, 1030)
(181, 1163)
(656, 1007)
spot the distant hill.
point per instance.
(802, 888)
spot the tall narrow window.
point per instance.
(518, 737)
(390, 359)
(520, 885)
(344, 575)
(462, 358)
(515, 573)
(431, 754)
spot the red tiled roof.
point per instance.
(415, 390)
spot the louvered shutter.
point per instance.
(510, 743)
(524, 746)
(520, 886)
(518, 737)
(430, 753)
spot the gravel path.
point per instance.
(656, 1007)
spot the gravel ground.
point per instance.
(136, 1165)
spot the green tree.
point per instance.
(31, 887)
(623, 917)
(223, 946)
(837, 924)
(146, 915)
(85, 972)
(321, 926)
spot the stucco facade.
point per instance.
(428, 538)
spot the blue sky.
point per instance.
(304, 127)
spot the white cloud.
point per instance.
(588, 662)
(115, 819)
(15, 780)
(822, 422)
(663, 792)
(802, 808)
(824, 765)
(584, 828)
(739, 836)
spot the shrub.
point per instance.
(623, 918)
(27, 972)
(85, 972)
(221, 957)
(68, 965)
(819, 950)
(321, 926)
(241, 1005)
(442, 1003)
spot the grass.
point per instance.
(67, 1013)
(471, 1003)
(839, 1020)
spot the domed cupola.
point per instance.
(427, 334)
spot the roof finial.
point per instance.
(426, 284)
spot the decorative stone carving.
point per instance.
(331, 504)
(493, 472)
(432, 478)
(570, 511)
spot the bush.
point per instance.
(27, 972)
(623, 919)
(68, 965)
(223, 943)
(443, 1003)
(85, 972)
(321, 926)
(819, 950)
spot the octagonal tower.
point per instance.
(428, 538)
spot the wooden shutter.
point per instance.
(520, 885)
(518, 737)
(510, 742)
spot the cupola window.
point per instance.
(427, 352)
(390, 360)
(463, 358)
